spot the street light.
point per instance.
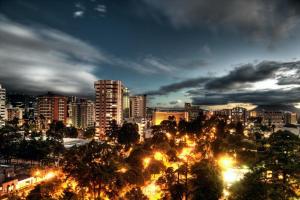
(226, 162)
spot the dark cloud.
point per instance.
(242, 76)
(237, 85)
(258, 18)
(173, 102)
(292, 79)
(237, 79)
(256, 97)
(196, 82)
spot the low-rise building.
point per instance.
(14, 112)
(161, 115)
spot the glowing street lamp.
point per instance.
(226, 162)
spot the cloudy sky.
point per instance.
(206, 52)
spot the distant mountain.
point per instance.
(286, 108)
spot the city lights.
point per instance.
(226, 162)
(158, 100)
(152, 191)
(158, 156)
(230, 176)
(146, 162)
(122, 170)
(50, 175)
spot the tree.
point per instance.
(89, 132)
(68, 194)
(158, 135)
(113, 131)
(71, 132)
(128, 134)
(56, 131)
(177, 191)
(35, 194)
(183, 126)
(33, 150)
(14, 122)
(155, 167)
(206, 183)
(195, 126)
(9, 141)
(276, 174)
(249, 188)
(170, 125)
(239, 128)
(40, 192)
(135, 194)
(93, 166)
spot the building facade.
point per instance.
(238, 114)
(159, 116)
(108, 104)
(194, 111)
(273, 118)
(138, 106)
(290, 118)
(126, 103)
(14, 112)
(82, 113)
(2, 105)
(52, 107)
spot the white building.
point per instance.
(2, 105)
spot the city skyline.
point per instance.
(168, 51)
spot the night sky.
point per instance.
(206, 52)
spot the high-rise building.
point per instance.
(138, 106)
(109, 103)
(126, 103)
(2, 105)
(90, 114)
(52, 107)
(82, 113)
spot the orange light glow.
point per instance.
(50, 175)
(158, 156)
(185, 153)
(152, 191)
(226, 162)
(146, 162)
(122, 170)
